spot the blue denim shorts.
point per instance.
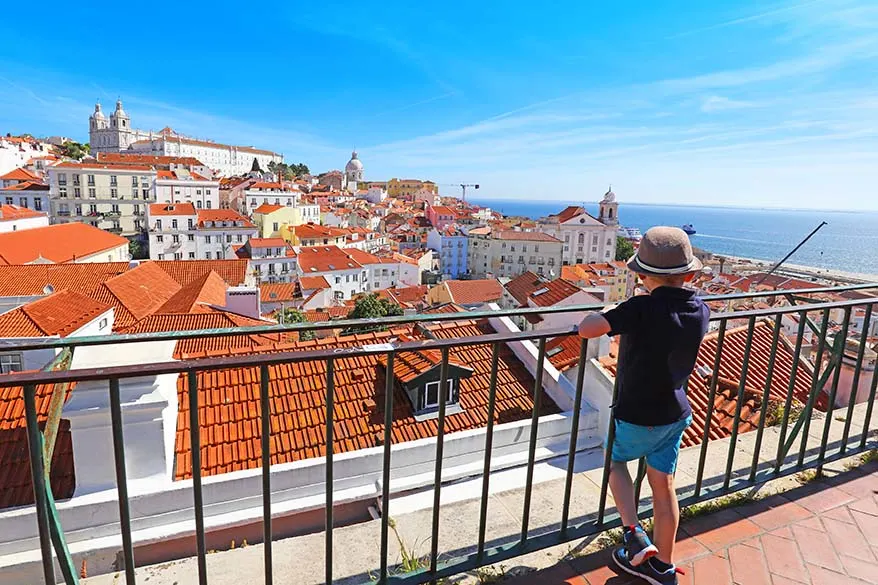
(660, 445)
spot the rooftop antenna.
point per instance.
(793, 251)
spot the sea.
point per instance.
(849, 241)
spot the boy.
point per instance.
(660, 336)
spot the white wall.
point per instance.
(14, 225)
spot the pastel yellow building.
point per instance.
(403, 188)
(273, 219)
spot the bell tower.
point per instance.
(609, 209)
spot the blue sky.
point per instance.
(727, 103)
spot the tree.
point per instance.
(255, 167)
(74, 150)
(624, 249)
(289, 315)
(371, 306)
(300, 169)
(138, 249)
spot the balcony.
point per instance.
(777, 409)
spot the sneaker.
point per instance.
(637, 545)
(646, 571)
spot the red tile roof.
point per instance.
(13, 212)
(467, 292)
(113, 158)
(268, 208)
(229, 401)
(310, 231)
(553, 292)
(522, 285)
(525, 236)
(20, 174)
(570, 212)
(280, 292)
(60, 314)
(56, 243)
(171, 209)
(32, 279)
(268, 243)
(98, 166)
(409, 365)
(27, 186)
(16, 488)
(313, 282)
(234, 272)
(137, 293)
(408, 296)
(197, 296)
(729, 378)
(327, 314)
(563, 352)
(325, 259)
(222, 215)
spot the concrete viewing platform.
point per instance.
(822, 532)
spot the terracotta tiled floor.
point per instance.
(824, 533)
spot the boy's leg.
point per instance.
(623, 492)
(666, 513)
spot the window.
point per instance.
(158, 224)
(207, 255)
(174, 224)
(9, 200)
(190, 237)
(91, 180)
(93, 209)
(62, 192)
(192, 255)
(175, 238)
(339, 295)
(62, 178)
(208, 204)
(38, 204)
(206, 239)
(567, 238)
(113, 181)
(581, 238)
(198, 204)
(594, 248)
(134, 181)
(228, 238)
(431, 393)
(191, 223)
(338, 280)
(77, 192)
(22, 201)
(146, 193)
(240, 238)
(274, 226)
(178, 255)
(10, 362)
(102, 323)
(160, 239)
(75, 180)
(114, 208)
(114, 193)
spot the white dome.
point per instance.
(609, 196)
(354, 164)
(98, 115)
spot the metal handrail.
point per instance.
(45, 343)
(485, 553)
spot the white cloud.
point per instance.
(718, 103)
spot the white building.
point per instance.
(111, 197)
(510, 253)
(346, 276)
(25, 189)
(16, 152)
(179, 231)
(586, 239)
(182, 186)
(272, 259)
(14, 218)
(116, 134)
(276, 194)
(373, 194)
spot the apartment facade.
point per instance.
(272, 259)
(110, 197)
(452, 246)
(182, 186)
(508, 253)
(587, 239)
(179, 231)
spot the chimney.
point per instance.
(244, 300)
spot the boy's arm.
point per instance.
(594, 325)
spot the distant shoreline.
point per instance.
(489, 202)
(798, 270)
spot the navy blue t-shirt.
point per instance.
(660, 336)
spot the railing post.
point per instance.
(805, 417)
(437, 477)
(195, 440)
(855, 383)
(385, 469)
(608, 450)
(711, 398)
(841, 344)
(791, 389)
(41, 506)
(532, 444)
(330, 419)
(766, 394)
(265, 442)
(574, 435)
(121, 480)
(733, 440)
(489, 446)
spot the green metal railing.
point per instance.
(485, 553)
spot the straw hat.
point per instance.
(664, 251)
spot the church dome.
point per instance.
(354, 164)
(119, 111)
(98, 115)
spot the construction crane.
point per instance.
(462, 186)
